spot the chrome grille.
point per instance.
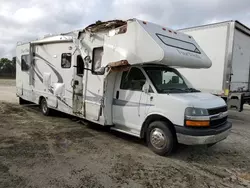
(215, 111)
(218, 122)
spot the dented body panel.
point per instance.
(145, 42)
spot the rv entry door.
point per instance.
(77, 84)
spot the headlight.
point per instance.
(197, 117)
(190, 111)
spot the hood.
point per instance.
(200, 100)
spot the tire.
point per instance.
(160, 138)
(44, 107)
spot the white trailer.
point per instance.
(227, 44)
(121, 74)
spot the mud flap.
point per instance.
(236, 100)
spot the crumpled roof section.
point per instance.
(102, 26)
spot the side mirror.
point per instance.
(145, 88)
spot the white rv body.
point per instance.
(108, 74)
(227, 44)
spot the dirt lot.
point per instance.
(38, 151)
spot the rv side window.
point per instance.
(97, 59)
(66, 60)
(133, 80)
(80, 65)
(177, 43)
(25, 62)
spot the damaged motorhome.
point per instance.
(122, 74)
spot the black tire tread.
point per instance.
(172, 142)
(47, 113)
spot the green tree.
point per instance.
(7, 67)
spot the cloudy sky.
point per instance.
(30, 19)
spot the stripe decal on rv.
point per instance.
(119, 102)
(64, 102)
(95, 98)
(38, 75)
(59, 77)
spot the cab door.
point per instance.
(130, 103)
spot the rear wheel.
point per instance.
(160, 138)
(44, 107)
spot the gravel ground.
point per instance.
(8, 90)
(61, 151)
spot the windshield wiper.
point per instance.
(192, 90)
(174, 89)
(184, 90)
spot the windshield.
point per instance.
(168, 80)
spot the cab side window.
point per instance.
(133, 79)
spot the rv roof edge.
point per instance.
(53, 39)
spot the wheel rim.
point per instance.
(158, 138)
(44, 106)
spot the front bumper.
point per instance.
(194, 136)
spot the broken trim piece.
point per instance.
(119, 66)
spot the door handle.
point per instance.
(117, 94)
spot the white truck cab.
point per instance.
(123, 74)
(157, 103)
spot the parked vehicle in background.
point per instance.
(121, 74)
(227, 44)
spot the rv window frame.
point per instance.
(26, 64)
(93, 60)
(174, 46)
(128, 72)
(70, 61)
(77, 66)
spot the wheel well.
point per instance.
(155, 117)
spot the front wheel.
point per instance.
(160, 138)
(44, 107)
